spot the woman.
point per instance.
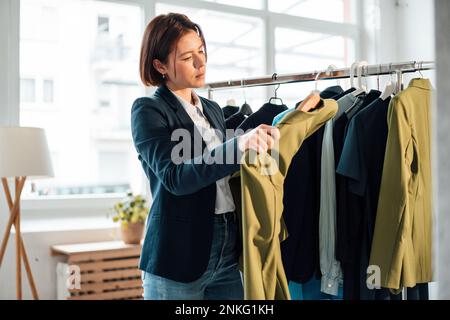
(191, 246)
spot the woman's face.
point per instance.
(186, 66)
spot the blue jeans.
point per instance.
(220, 281)
(311, 291)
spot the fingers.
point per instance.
(263, 138)
(268, 135)
(274, 132)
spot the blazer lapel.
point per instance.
(212, 118)
(182, 115)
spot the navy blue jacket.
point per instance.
(179, 228)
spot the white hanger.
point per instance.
(316, 90)
(231, 102)
(388, 91)
(361, 66)
(359, 89)
(352, 73)
(330, 70)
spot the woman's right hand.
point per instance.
(260, 139)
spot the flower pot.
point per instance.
(132, 232)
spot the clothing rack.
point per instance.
(366, 70)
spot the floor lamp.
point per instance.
(24, 154)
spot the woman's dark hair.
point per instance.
(160, 38)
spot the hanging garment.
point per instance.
(228, 111)
(264, 115)
(348, 239)
(402, 238)
(329, 266)
(333, 92)
(301, 200)
(343, 94)
(311, 291)
(349, 102)
(262, 204)
(235, 121)
(361, 164)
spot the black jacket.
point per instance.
(179, 229)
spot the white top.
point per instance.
(329, 266)
(224, 198)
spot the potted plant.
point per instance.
(131, 212)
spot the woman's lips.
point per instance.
(200, 75)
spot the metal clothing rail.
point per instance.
(366, 70)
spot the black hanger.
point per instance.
(245, 109)
(274, 77)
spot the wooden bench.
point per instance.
(107, 270)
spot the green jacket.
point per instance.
(401, 244)
(263, 228)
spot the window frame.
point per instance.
(271, 20)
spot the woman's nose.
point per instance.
(199, 61)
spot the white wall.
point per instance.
(42, 264)
(398, 30)
(415, 30)
(9, 75)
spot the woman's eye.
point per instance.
(188, 58)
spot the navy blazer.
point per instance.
(179, 228)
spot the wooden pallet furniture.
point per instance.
(108, 270)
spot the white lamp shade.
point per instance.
(24, 152)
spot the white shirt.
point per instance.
(224, 198)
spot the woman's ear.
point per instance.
(159, 66)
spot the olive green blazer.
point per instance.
(261, 195)
(401, 244)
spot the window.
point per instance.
(27, 90)
(252, 4)
(108, 162)
(103, 24)
(87, 75)
(87, 70)
(329, 10)
(48, 91)
(308, 51)
(236, 53)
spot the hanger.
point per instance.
(316, 81)
(331, 68)
(352, 74)
(378, 77)
(245, 109)
(358, 67)
(399, 84)
(313, 99)
(389, 90)
(310, 102)
(231, 102)
(420, 67)
(361, 66)
(274, 77)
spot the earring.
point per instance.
(164, 76)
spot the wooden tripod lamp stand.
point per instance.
(24, 154)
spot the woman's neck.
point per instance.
(185, 93)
